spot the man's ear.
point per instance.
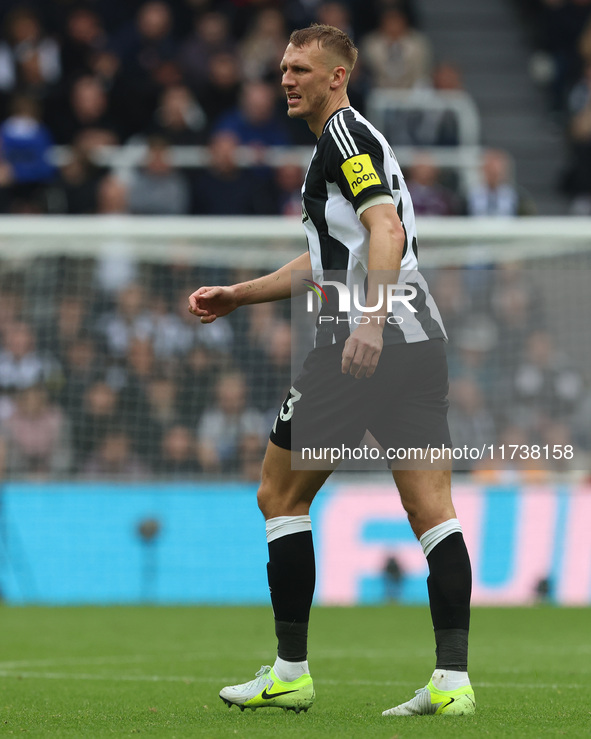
(339, 77)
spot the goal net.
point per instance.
(105, 375)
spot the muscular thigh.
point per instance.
(283, 491)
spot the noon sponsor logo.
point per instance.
(360, 173)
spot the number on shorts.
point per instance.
(294, 396)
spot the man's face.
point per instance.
(307, 76)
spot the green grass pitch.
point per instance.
(151, 671)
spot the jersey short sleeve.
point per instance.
(354, 159)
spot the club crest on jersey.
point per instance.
(360, 173)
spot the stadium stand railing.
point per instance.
(398, 113)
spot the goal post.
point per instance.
(264, 241)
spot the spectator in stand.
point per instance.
(255, 121)
(272, 377)
(472, 353)
(12, 294)
(584, 39)
(580, 95)
(179, 118)
(257, 323)
(396, 56)
(177, 458)
(157, 188)
(29, 59)
(546, 386)
(578, 177)
(251, 453)
(470, 421)
(429, 122)
(83, 366)
(517, 310)
(130, 320)
(78, 181)
(261, 49)
(161, 414)
(84, 39)
(65, 324)
(335, 14)
(107, 69)
(562, 23)
(197, 376)
(98, 415)
(21, 364)
(134, 379)
(223, 427)
(25, 163)
(147, 51)
(451, 297)
(114, 459)
(162, 400)
(441, 127)
(112, 196)
(210, 38)
(37, 436)
(221, 91)
(447, 77)
(289, 178)
(227, 189)
(429, 196)
(166, 327)
(88, 112)
(497, 195)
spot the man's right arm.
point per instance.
(209, 303)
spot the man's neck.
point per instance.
(317, 126)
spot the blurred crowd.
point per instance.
(561, 35)
(104, 380)
(88, 74)
(513, 381)
(125, 383)
(109, 376)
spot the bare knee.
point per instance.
(266, 500)
(283, 491)
(286, 495)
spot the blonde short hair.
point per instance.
(329, 38)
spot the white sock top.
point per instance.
(431, 538)
(285, 525)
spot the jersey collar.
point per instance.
(339, 110)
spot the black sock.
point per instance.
(292, 575)
(450, 586)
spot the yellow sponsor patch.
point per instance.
(360, 173)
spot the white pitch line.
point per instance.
(197, 656)
(114, 678)
(115, 660)
(224, 680)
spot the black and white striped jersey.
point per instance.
(352, 165)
